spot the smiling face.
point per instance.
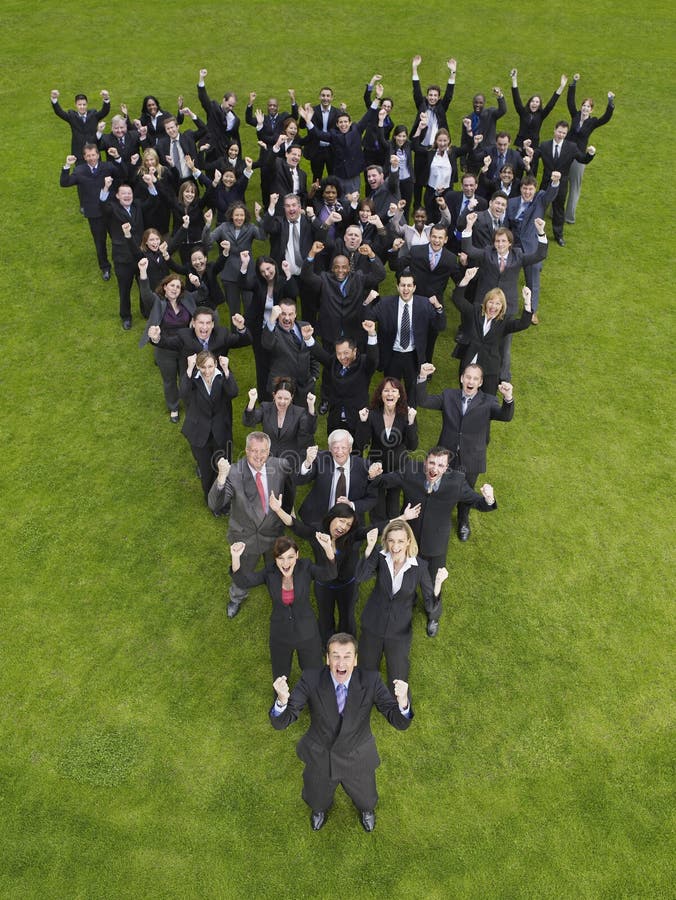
(341, 660)
(400, 138)
(586, 108)
(257, 453)
(390, 395)
(293, 157)
(397, 544)
(286, 563)
(535, 103)
(207, 369)
(233, 152)
(469, 186)
(560, 133)
(498, 206)
(171, 128)
(343, 124)
(406, 287)
(199, 262)
(273, 106)
(282, 399)
(493, 308)
(420, 219)
(91, 156)
(502, 144)
(292, 209)
(438, 237)
(151, 107)
(442, 143)
(325, 97)
(125, 195)
(268, 271)
(291, 129)
(81, 106)
(188, 193)
(471, 380)
(352, 239)
(172, 289)
(203, 325)
(501, 244)
(340, 526)
(345, 354)
(287, 316)
(432, 96)
(330, 194)
(238, 216)
(340, 267)
(374, 178)
(478, 103)
(527, 192)
(119, 127)
(153, 241)
(435, 466)
(340, 451)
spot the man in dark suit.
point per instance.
(404, 323)
(383, 191)
(203, 334)
(273, 119)
(500, 155)
(339, 747)
(487, 221)
(482, 120)
(124, 220)
(175, 146)
(282, 341)
(463, 201)
(324, 116)
(431, 491)
(337, 476)
(122, 143)
(558, 155)
(89, 178)
(243, 490)
(466, 416)
(83, 121)
(291, 236)
(287, 177)
(435, 107)
(222, 120)
(522, 212)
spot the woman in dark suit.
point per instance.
(290, 428)
(208, 394)
(268, 286)
(533, 114)
(293, 625)
(484, 329)
(171, 308)
(387, 619)
(581, 126)
(389, 428)
(400, 146)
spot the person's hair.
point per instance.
(476, 97)
(257, 437)
(160, 170)
(366, 203)
(498, 195)
(438, 226)
(440, 451)
(293, 146)
(508, 234)
(291, 196)
(284, 383)
(325, 88)
(238, 204)
(229, 94)
(230, 146)
(197, 248)
(167, 280)
(342, 638)
(270, 261)
(385, 99)
(589, 101)
(467, 175)
(529, 179)
(182, 190)
(562, 124)
(144, 104)
(503, 134)
(204, 311)
(401, 525)
(288, 301)
(80, 97)
(89, 146)
(419, 209)
(405, 273)
(377, 397)
(146, 235)
(116, 119)
(168, 119)
(379, 169)
(399, 129)
(341, 511)
(203, 356)
(339, 434)
(533, 97)
(441, 132)
(282, 544)
(474, 366)
(286, 121)
(329, 181)
(507, 168)
(433, 87)
(495, 294)
(345, 339)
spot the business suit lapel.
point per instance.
(355, 698)
(327, 697)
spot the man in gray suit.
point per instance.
(244, 491)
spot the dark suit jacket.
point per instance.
(271, 127)
(239, 497)
(512, 158)
(568, 154)
(580, 131)
(483, 231)
(82, 132)
(342, 315)
(220, 136)
(487, 347)
(312, 146)
(282, 182)
(390, 615)
(206, 413)
(490, 276)
(391, 451)
(89, 186)
(530, 123)
(422, 105)
(291, 440)
(432, 528)
(332, 745)
(467, 436)
(221, 340)
(430, 282)
(115, 215)
(132, 145)
(277, 227)
(316, 505)
(423, 317)
(488, 118)
(524, 231)
(287, 357)
(347, 150)
(186, 139)
(347, 393)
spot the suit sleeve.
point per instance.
(297, 702)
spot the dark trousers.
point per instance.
(328, 597)
(100, 237)
(434, 563)
(281, 655)
(125, 273)
(471, 477)
(320, 158)
(168, 364)
(404, 367)
(204, 457)
(360, 787)
(559, 208)
(396, 650)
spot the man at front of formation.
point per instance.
(339, 748)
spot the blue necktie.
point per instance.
(341, 697)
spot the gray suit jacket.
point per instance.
(239, 497)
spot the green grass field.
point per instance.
(136, 759)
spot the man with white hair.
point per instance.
(338, 476)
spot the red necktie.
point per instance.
(502, 264)
(261, 492)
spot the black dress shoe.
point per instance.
(464, 531)
(368, 820)
(126, 324)
(323, 407)
(105, 274)
(432, 627)
(233, 609)
(317, 819)
(560, 241)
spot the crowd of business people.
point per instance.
(323, 339)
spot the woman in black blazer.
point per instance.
(290, 428)
(208, 394)
(293, 625)
(240, 233)
(400, 146)
(581, 126)
(533, 114)
(390, 430)
(267, 286)
(484, 329)
(387, 619)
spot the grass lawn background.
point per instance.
(136, 757)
